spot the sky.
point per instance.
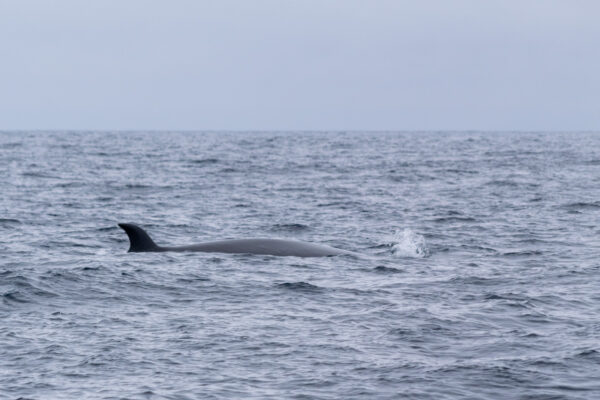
(300, 65)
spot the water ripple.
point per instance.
(477, 274)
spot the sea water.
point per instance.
(478, 276)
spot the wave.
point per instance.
(523, 253)
(9, 221)
(502, 183)
(300, 286)
(11, 145)
(22, 291)
(205, 161)
(387, 270)
(592, 162)
(33, 174)
(289, 227)
(454, 219)
(582, 205)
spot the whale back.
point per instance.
(139, 240)
(274, 247)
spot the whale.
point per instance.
(140, 241)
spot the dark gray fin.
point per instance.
(139, 240)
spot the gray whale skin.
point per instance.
(140, 241)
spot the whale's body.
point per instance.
(140, 241)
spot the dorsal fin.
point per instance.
(139, 240)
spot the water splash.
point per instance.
(408, 243)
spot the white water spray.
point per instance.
(407, 243)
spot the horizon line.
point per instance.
(141, 130)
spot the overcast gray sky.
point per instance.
(274, 64)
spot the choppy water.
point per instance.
(479, 279)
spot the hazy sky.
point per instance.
(324, 64)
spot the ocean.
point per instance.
(478, 274)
